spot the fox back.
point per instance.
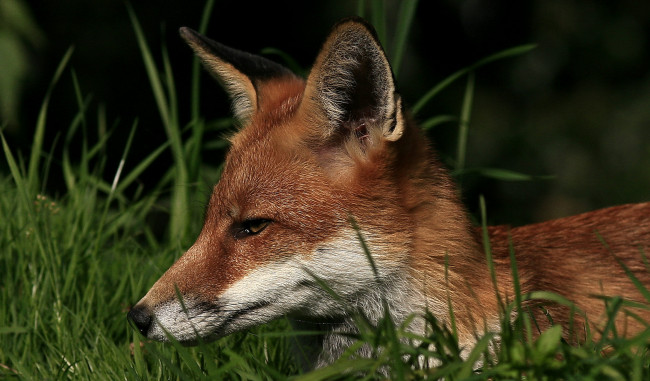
(330, 169)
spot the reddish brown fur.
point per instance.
(576, 257)
(287, 165)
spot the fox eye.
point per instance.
(251, 227)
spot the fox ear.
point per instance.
(351, 85)
(240, 73)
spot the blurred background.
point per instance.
(577, 107)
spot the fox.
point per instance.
(329, 180)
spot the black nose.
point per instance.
(140, 318)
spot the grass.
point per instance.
(72, 265)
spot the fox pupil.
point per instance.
(251, 227)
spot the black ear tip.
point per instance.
(187, 33)
(353, 19)
(194, 38)
(358, 21)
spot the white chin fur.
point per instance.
(277, 289)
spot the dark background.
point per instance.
(577, 107)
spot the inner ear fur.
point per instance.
(240, 73)
(351, 85)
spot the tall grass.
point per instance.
(71, 266)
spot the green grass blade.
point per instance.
(19, 179)
(452, 315)
(487, 249)
(547, 343)
(378, 20)
(171, 88)
(135, 173)
(437, 89)
(198, 126)
(643, 289)
(468, 366)
(515, 280)
(552, 297)
(404, 20)
(436, 121)
(39, 133)
(150, 67)
(125, 153)
(180, 204)
(613, 306)
(512, 52)
(361, 9)
(138, 357)
(365, 248)
(463, 128)
(288, 61)
(196, 66)
(501, 174)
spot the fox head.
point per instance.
(313, 159)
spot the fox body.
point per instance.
(324, 165)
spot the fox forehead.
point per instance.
(270, 172)
(281, 99)
(263, 181)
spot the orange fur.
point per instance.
(313, 154)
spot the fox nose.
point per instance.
(140, 317)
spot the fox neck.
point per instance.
(445, 246)
(442, 246)
(391, 296)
